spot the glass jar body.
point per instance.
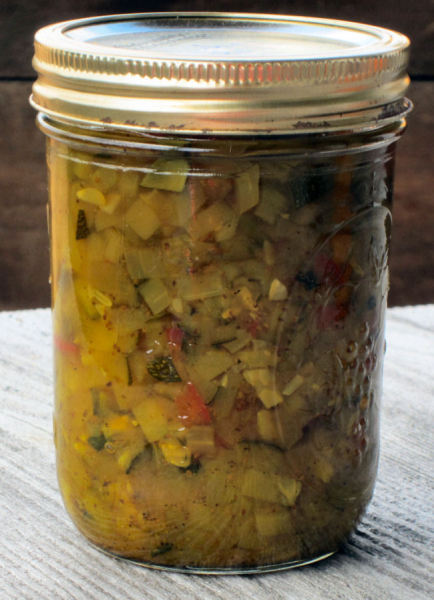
(218, 310)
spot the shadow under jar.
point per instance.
(219, 234)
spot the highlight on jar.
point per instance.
(218, 313)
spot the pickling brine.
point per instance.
(218, 325)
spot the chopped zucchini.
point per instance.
(261, 486)
(274, 522)
(269, 253)
(218, 219)
(155, 294)
(127, 455)
(290, 488)
(116, 368)
(241, 340)
(175, 453)
(127, 343)
(269, 427)
(128, 183)
(204, 385)
(224, 399)
(167, 175)
(125, 320)
(259, 378)
(86, 299)
(271, 206)
(156, 338)
(184, 208)
(81, 167)
(247, 189)
(200, 286)
(103, 402)
(112, 280)
(258, 357)
(91, 196)
(97, 336)
(153, 415)
(113, 200)
(138, 366)
(212, 363)
(104, 220)
(142, 219)
(128, 397)
(144, 263)
(200, 439)
(278, 291)
(268, 487)
(114, 245)
(295, 383)
(270, 397)
(162, 205)
(104, 178)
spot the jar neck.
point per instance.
(299, 144)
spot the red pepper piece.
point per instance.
(220, 442)
(65, 347)
(330, 315)
(253, 326)
(192, 409)
(175, 335)
(329, 272)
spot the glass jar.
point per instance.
(219, 283)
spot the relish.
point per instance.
(219, 327)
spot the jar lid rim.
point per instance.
(219, 73)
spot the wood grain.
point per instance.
(412, 251)
(390, 555)
(24, 263)
(20, 19)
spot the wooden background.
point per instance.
(43, 557)
(23, 238)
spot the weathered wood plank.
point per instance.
(23, 238)
(390, 555)
(20, 18)
(412, 253)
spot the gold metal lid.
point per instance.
(218, 73)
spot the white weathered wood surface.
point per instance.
(43, 557)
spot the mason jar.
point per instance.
(220, 213)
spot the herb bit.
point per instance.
(193, 467)
(82, 230)
(311, 188)
(97, 441)
(162, 549)
(308, 279)
(163, 369)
